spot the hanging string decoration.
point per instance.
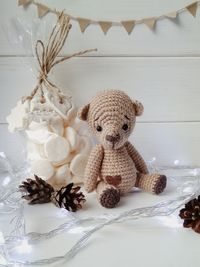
(128, 25)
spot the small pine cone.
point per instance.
(191, 214)
(36, 191)
(68, 197)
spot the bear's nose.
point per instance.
(112, 138)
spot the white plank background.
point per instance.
(160, 68)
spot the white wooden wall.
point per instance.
(161, 68)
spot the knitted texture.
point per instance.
(137, 159)
(93, 168)
(154, 183)
(115, 166)
(108, 195)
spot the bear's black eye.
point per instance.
(125, 127)
(99, 128)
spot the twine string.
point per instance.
(46, 55)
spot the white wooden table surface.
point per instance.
(157, 241)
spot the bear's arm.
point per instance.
(137, 158)
(93, 168)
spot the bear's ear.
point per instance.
(138, 108)
(83, 112)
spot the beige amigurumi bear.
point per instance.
(115, 166)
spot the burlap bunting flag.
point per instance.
(192, 8)
(42, 10)
(150, 22)
(23, 2)
(128, 25)
(171, 15)
(83, 23)
(105, 26)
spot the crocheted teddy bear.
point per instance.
(114, 166)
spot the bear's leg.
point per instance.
(153, 183)
(108, 195)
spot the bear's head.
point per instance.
(111, 117)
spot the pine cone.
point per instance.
(69, 198)
(191, 214)
(36, 191)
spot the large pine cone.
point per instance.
(36, 191)
(68, 197)
(191, 214)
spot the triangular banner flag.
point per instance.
(128, 25)
(105, 26)
(192, 8)
(23, 2)
(83, 23)
(42, 10)
(150, 22)
(171, 15)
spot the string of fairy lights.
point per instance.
(20, 244)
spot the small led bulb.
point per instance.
(194, 172)
(153, 159)
(6, 181)
(176, 162)
(2, 240)
(24, 247)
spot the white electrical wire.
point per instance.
(12, 199)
